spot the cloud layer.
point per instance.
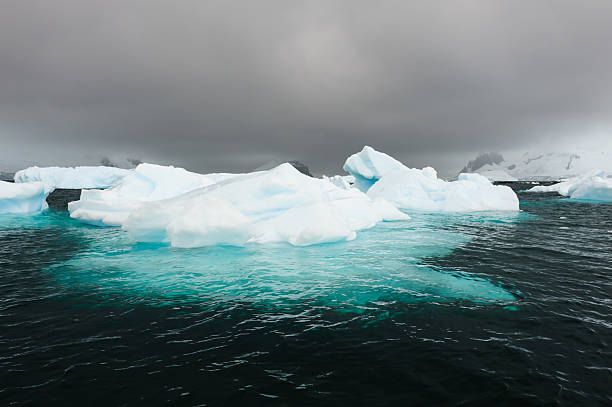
(231, 84)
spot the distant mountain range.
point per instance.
(539, 166)
(6, 176)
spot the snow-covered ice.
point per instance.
(23, 198)
(595, 185)
(147, 182)
(72, 177)
(412, 189)
(277, 205)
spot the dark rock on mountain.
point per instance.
(482, 160)
(301, 167)
(6, 176)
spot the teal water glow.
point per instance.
(384, 264)
(407, 314)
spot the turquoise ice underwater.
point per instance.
(384, 264)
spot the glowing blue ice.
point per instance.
(384, 264)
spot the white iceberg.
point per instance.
(23, 198)
(72, 177)
(369, 165)
(381, 176)
(595, 185)
(278, 205)
(147, 182)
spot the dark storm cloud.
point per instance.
(229, 85)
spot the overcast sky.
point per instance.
(229, 85)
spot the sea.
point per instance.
(477, 309)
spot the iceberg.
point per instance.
(172, 205)
(595, 185)
(277, 205)
(369, 165)
(381, 176)
(147, 182)
(23, 198)
(72, 177)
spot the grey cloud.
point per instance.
(229, 85)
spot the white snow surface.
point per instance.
(545, 166)
(412, 189)
(147, 182)
(497, 175)
(596, 185)
(72, 177)
(277, 205)
(23, 197)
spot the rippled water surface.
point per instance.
(495, 309)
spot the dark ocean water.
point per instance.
(491, 309)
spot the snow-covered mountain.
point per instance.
(539, 166)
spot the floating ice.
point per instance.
(72, 177)
(23, 198)
(278, 205)
(147, 182)
(595, 185)
(408, 188)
